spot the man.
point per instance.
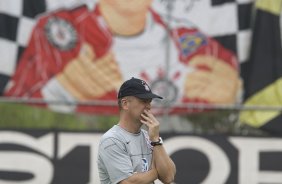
(127, 153)
(79, 55)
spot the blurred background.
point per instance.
(217, 63)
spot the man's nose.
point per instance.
(148, 105)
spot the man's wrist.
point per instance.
(158, 142)
(154, 138)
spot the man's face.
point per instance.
(129, 6)
(136, 107)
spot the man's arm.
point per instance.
(164, 165)
(142, 177)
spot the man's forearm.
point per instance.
(164, 165)
(142, 177)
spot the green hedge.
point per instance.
(25, 116)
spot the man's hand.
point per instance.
(87, 77)
(165, 167)
(213, 81)
(152, 123)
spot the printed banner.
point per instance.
(70, 157)
(188, 51)
(264, 82)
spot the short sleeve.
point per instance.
(116, 159)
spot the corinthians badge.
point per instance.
(60, 33)
(165, 88)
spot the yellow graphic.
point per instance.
(271, 95)
(272, 6)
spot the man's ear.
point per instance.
(124, 103)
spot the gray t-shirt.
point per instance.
(122, 153)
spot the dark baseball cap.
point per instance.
(138, 88)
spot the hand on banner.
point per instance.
(87, 77)
(213, 80)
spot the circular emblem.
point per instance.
(166, 89)
(60, 33)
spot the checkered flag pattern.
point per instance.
(239, 39)
(17, 18)
(229, 22)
